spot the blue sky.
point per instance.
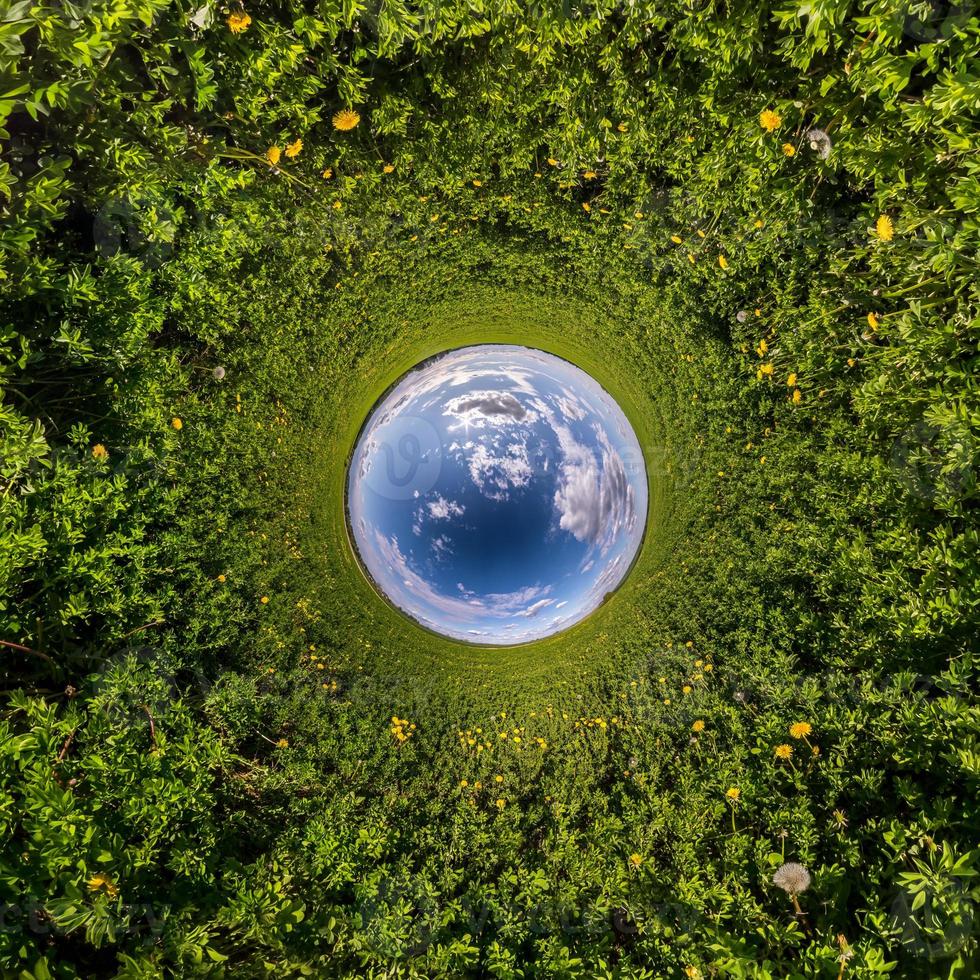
(496, 494)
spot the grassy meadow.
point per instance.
(227, 230)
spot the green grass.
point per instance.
(194, 782)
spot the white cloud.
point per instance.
(477, 409)
(535, 608)
(514, 600)
(570, 406)
(577, 497)
(594, 499)
(497, 473)
(441, 509)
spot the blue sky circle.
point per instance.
(496, 494)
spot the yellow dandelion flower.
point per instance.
(221, 578)
(283, 743)
(552, 162)
(698, 726)
(100, 452)
(273, 154)
(789, 150)
(765, 370)
(100, 882)
(589, 175)
(293, 149)
(733, 792)
(388, 168)
(884, 228)
(783, 751)
(264, 600)
(758, 223)
(177, 424)
(722, 261)
(586, 206)
(797, 396)
(686, 689)
(872, 321)
(327, 174)
(791, 379)
(501, 803)
(676, 239)
(464, 783)
(769, 120)
(498, 779)
(238, 22)
(346, 119)
(636, 860)
(800, 729)
(690, 258)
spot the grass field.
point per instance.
(226, 233)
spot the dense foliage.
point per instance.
(226, 230)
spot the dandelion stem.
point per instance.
(908, 289)
(800, 914)
(233, 153)
(845, 955)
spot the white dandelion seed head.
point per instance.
(820, 142)
(741, 316)
(793, 878)
(218, 372)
